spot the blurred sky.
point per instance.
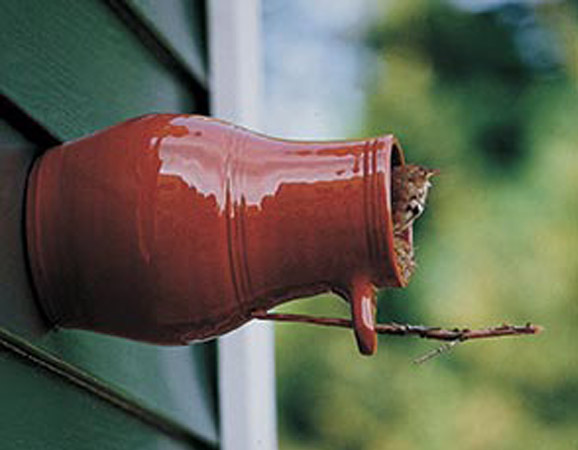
(314, 67)
(317, 65)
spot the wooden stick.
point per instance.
(396, 329)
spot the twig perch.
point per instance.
(396, 329)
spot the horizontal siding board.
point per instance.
(172, 380)
(76, 68)
(180, 24)
(41, 411)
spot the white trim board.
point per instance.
(246, 356)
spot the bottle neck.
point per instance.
(312, 216)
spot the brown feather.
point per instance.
(409, 189)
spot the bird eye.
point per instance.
(415, 209)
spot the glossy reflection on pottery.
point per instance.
(176, 228)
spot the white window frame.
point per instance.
(246, 356)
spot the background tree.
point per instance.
(489, 96)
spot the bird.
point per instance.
(409, 189)
(410, 184)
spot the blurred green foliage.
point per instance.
(490, 98)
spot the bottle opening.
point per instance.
(402, 238)
(410, 184)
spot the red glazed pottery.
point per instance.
(175, 228)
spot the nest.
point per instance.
(409, 189)
(405, 256)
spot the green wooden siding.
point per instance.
(176, 22)
(41, 411)
(76, 67)
(69, 68)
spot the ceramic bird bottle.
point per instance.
(177, 228)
